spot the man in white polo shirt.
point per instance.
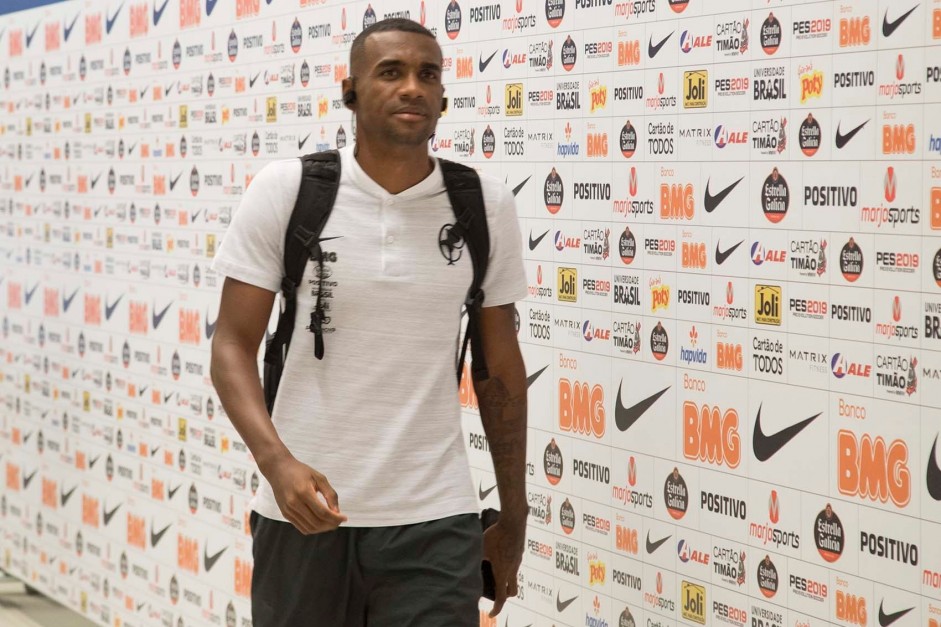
(367, 514)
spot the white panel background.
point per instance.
(123, 480)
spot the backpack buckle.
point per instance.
(474, 301)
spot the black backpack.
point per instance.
(320, 180)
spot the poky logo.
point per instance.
(872, 469)
(711, 435)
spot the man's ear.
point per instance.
(349, 93)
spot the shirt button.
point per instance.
(390, 239)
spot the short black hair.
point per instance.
(399, 24)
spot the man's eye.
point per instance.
(389, 73)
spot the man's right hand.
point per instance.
(297, 489)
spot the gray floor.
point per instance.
(19, 609)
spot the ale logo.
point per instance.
(767, 577)
(552, 463)
(873, 469)
(829, 535)
(676, 499)
(840, 367)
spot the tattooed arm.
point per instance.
(502, 402)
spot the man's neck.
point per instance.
(395, 169)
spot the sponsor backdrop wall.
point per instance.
(731, 216)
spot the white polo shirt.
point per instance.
(379, 416)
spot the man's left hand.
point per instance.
(503, 548)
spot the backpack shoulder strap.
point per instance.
(467, 202)
(320, 179)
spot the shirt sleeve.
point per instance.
(505, 281)
(252, 248)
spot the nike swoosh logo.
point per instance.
(301, 142)
(29, 36)
(75, 372)
(535, 242)
(140, 606)
(653, 50)
(211, 328)
(722, 255)
(484, 493)
(109, 309)
(653, 546)
(65, 496)
(67, 300)
(167, 397)
(94, 181)
(173, 181)
(109, 21)
(142, 92)
(532, 378)
(481, 64)
(251, 81)
(109, 515)
(210, 7)
(625, 417)
(765, 446)
(30, 179)
(887, 619)
(31, 293)
(166, 90)
(171, 492)
(933, 474)
(889, 27)
(154, 450)
(159, 13)
(92, 462)
(98, 210)
(210, 560)
(561, 605)
(28, 479)
(516, 190)
(67, 31)
(195, 214)
(842, 140)
(156, 537)
(712, 202)
(130, 150)
(143, 389)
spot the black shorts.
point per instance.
(421, 575)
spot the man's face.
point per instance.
(398, 88)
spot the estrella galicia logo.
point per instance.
(341, 138)
(297, 36)
(127, 61)
(452, 20)
(555, 12)
(305, 73)
(233, 46)
(450, 243)
(676, 495)
(569, 54)
(194, 181)
(82, 69)
(112, 180)
(553, 192)
(369, 17)
(177, 54)
(175, 366)
(126, 354)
